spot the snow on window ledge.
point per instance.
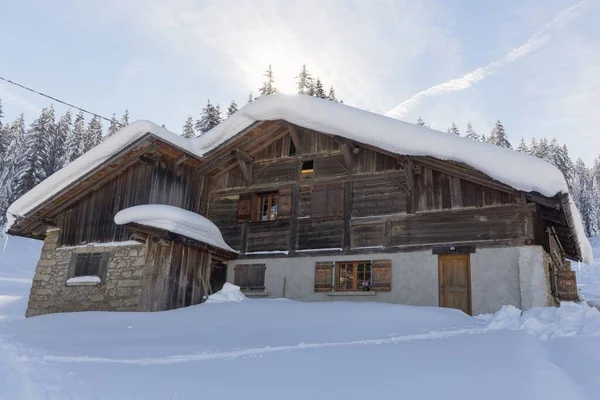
(84, 281)
(357, 293)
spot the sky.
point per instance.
(534, 65)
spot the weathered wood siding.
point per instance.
(90, 218)
(175, 276)
(360, 198)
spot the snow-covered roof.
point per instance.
(520, 171)
(176, 220)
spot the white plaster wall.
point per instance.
(496, 277)
(534, 279)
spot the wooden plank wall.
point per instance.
(90, 219)
(378, 205)
(175, 276)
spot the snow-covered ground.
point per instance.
(588, 276)
(280, 349)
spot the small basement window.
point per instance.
(266, 207)
(250, 277)
(308, 170)
(88, 265)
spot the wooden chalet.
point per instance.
(312, 215)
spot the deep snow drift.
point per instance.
(276, 348)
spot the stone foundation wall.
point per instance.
(120, 291)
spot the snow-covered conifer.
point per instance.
(268, 86)
(498, 136)
(188, 128)
(471, 134)
(233, 107)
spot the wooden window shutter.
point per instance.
(284, 204)
(250, 276)
(318, 201)
(335, 200)
(324, 276)
(381, 275)
(244, 207)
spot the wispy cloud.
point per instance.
(536, 41)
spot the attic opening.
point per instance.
(292, 151)
(307, 171)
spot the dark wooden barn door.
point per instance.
(455, 281)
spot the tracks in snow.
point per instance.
(433, 335)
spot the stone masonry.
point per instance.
(119, 292)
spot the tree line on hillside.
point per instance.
(583, 182)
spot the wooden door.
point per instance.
(455, 281)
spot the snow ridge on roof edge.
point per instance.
(520, 171)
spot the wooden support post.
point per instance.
(246, 170)
(410, 182)
(295, 138)
(347, 241)
(347, 151)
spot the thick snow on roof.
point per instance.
(520, 171)
(176, 220)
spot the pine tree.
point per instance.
(53, 156)
(522, 148)
(93, 134)
(420, 121)
(188, 128)
(498, 136)
(210, 117)
(14, 164)
(114, 126)
(268, 86)
(233, 107)
(124, 119)
(471, 134)
(76, 141)
(250, 98)
(36, 153)
(318, 89)
(303, 81)
(542, 150)
(583, 196)
(560, 158)
(331, 95)
(5, 137)
(453, 130)
(58, 145)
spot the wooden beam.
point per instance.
(464, 172)
(409, 173)
(241, 155)
(246, 170)
(181, 160)
(347, 151)
(295, 138)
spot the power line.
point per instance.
(60, 101)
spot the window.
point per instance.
(292, 151)
(250, 276)
(88, 264)
(308, 170)
(266, 207)
(353, 276)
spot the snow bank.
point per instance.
(83, 281)
(520, 171)
(176, 220)
(227, 294)
(570, 319)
